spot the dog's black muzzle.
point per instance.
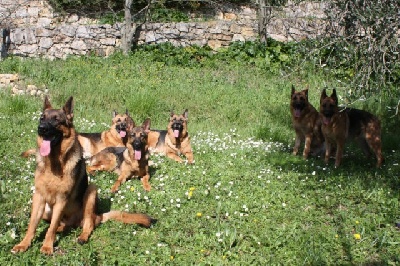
(48, 131)
(137, 144)
(299, 106)
(328, 113)
(121, 127)
(177, 126)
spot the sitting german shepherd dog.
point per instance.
(338, 125)
(307, 124)
(128, 161)
(62, 193)
(173, 141)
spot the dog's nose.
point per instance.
(42, 129)
(137, 144)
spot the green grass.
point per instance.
(259, 205)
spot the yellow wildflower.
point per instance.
(198, 214)
(357, 236)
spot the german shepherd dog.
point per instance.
(128, 161)
(63, 195)
(338, 125)
(93, 143)
(174, 141)
(307, 124)
(116, 136)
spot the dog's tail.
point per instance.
(28, 153)
(128, 218)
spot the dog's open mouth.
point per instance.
(326, 118)
(121, 131)
(45, 146)
(297, 112)
(138, 155)
(177, 128)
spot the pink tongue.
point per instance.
(297, 112)
(326, 120)
(176, 133)
(138, 155)
(45, 148)
(122, 134)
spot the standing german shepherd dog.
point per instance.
(128, 161)
(307, 124)
(62, 193)
(340, 125)
(174, 141)
(116, 136)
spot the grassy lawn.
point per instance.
(246, 200)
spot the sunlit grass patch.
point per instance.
(245, 201)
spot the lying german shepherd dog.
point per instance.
(338, 125)
(174, 141)
(116, 136)
(306, 123)
(62, 193)
(128, 161)
(93, 143)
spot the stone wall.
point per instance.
(37, 31)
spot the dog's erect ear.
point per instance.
(293, 90)
(306, 91)
(69, 109)
(185, 114)
(146, 125)
(323, 95)
(114, 113)
(130, 125)
(46, 103)
(334, 96)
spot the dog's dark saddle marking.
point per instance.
(96, 137)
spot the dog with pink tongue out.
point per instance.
(128, 161)
(174, 141)
(116, 136)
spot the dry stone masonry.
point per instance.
(35, 30)
(19, 86)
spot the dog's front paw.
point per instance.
(83, 239)
(19, 248)
(147, 187)
(47, 250)
(114, 188)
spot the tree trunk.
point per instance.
(126, 41)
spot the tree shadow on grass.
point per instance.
(357, 182)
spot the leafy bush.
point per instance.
(271, 56)
(363, 44)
